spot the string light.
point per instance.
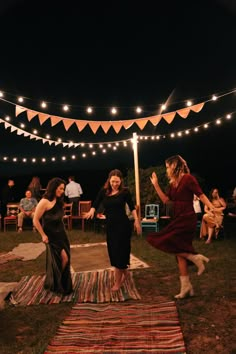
(89, 110)
(20, 99)
(65, 108)
(163, 107)
(138, 110)
(1, 94)
(43, 104)
(114, 110)
(189, 103)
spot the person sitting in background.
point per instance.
(212, 222)
(73, 191)
(35, 188)
(27, 208)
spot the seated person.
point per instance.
(212, 220)
(27, 208)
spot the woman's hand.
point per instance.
(137, 227)
(45, 239)
(154, 178)
(90, 214)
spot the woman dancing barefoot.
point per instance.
(114, 197)
(178, 235)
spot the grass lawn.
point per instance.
(206, 319)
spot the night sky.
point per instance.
(114, 54)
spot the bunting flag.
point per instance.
(106, 125)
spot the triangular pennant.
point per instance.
(20, 132)
(128, 123)
(197, 107)
(155, 119)
(117, 126)
(56, 143)
(43, 117)
(7, 125)
(81, 124)
(31, 114)
(94, 126)
(169, 117)
(65, 144)
(13, 128)
(26, 134)
(19, 110)
(184, 112)
(67, 123)
(141, 123)
(106, 126)
(55, 120)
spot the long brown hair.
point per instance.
(180, 168)
(107, 185)
(52, 186)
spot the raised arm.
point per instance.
(164, 198)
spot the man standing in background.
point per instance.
(8, 196)
(73, 191)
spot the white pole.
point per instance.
(136, 173)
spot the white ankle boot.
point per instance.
(198, 260)
(186, 288)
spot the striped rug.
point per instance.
(88, 287)
(119, 328)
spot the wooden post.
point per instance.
(136, 173)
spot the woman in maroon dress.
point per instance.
(178, 235)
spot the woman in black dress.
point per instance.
(52, 230)
(114, 197)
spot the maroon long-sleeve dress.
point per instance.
(178, 235)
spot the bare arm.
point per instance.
(158, 189)
(206, 202)
(39, 211)
(137, 225)
(90, 214)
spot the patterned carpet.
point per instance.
(119, 328)
(88, 287)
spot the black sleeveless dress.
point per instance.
(56, 280)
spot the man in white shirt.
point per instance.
(73, 191)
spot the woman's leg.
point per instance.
(210, 234)
(119, 278)
(185, 285)
(197, 259)
(64, 259)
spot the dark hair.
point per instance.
(52, 186)
(107, 185)
(181, 165)
(35, 182)
(72, 178)
(211, 191)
